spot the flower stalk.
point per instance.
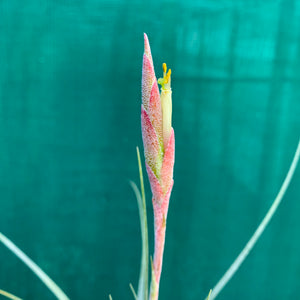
(159, 149)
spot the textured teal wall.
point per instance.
(70, 75)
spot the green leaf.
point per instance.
(207, 298)
(9, 295)
(141, 200)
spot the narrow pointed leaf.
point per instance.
(9, 295)
(141, 199)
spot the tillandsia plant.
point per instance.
(159, 149)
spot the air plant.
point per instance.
(159, 149)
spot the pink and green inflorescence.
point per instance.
(159, 149)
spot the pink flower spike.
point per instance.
(159, 149)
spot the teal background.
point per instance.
(70, 84)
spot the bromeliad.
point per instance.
(159, 149)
